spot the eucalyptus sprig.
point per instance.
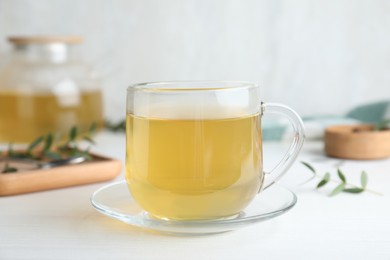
(342, 184)
(382, 125)
(48, 148)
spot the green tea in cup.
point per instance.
(194, 149)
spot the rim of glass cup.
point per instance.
(166, 86)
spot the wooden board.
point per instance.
(32, 180)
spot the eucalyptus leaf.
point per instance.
(72, 134)
(354, 190)
(324, 180)
(35, 143)
(342, 182)
(311, 168)
(48, 142)
(86, 155)
(364, 179)
(338, 189)
(53, 149)
(341, 176)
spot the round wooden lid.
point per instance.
(22, 40)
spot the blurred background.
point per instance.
(319, 57)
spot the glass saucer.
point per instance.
(115, 200)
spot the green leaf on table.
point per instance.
(341, 176)
(324, 180)
(72, 134)
(85, 154)
(34, 144)
(52, 148)
(338, 189)
(311, 168)
(364, 179)
(48, 142)
(354, 190)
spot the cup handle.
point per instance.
(299, 136)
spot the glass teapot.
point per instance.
(44, 88)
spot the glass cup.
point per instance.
(194, 149)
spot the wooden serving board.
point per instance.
(31, 180)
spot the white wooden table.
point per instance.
(61, 224)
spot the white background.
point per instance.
(319, 57)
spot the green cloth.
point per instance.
(371, 113)
(316, 124)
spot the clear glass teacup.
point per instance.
(194, 149)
